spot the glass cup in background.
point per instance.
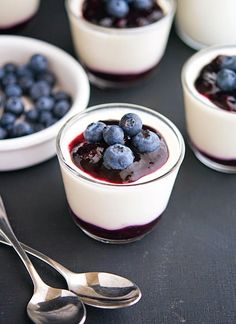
(202, 23)
(16, 12)
(211, 130)
(117, 57)
(118, 213)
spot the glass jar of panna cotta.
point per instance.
(16, 12)
(210, 115)
(116, 57)
(202, 23)
(111, 210)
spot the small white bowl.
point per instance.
(29, 150)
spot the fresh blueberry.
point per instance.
(61, 108)
(39, 89)
(7, 119)
(93, 132)
(32, 115)
(14, 105)
(38, 63)
(146, 141)
(113, 134)
(118, 157)
(45, 117)
(21, 129)
(3, 133)
(10, 68)
(13, 90)
(26, 82)
(48, 77)
(117, 8)
(2, 73)
(228, 62)
(24, 70)
(143, 4)
(50, 122)
(45, 103)
(61, 95)
(131, 124)
(226, 80)
(38, 127)
(8, 79)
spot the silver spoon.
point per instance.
(97, 289)
(47, 305)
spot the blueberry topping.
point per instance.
(131, 124)
(113, 134)
(143, 4)
(146, 141)
(61, 108)
(226, 80)
(118, 157)
(7, 119)
(94, 132)
(38, 63)
(14, 105)
(13, 90)
(3, 133)
(45, 103)
(39, 89)
(227, 62)
(117, 8)
(21, 129)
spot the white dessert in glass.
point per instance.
(118, 213)
(114, 57)
(211, 130)
(15, 12)
(202, 23)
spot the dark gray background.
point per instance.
(185, 267)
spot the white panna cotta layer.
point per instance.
(201, 23)
(210, 128)
(14, 12)
(113, 206)
(120, 51)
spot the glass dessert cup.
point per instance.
(14, 13)
(118, 213)
(118, 57)
(202, 23)
(211, 130)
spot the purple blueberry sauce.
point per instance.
(206, 85)
(95, 12)
(89, 158)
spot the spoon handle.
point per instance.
(7, 232)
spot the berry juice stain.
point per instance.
(89, 158)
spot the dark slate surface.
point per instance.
(185, 267)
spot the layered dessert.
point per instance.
(209, 84)
(213, 23)
(15, 12)
(112, 37)
(119, 163)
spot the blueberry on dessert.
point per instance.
(119, 151)
(122, 13)
(28, 100)
(217, 82)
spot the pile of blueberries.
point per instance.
(122, 13)
(118, 156)
(36, 83)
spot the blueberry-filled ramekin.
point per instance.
(118, 213)
(211, 129)
(117, 57)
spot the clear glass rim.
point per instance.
(124, 105)
(127, 31)
(186, 85)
